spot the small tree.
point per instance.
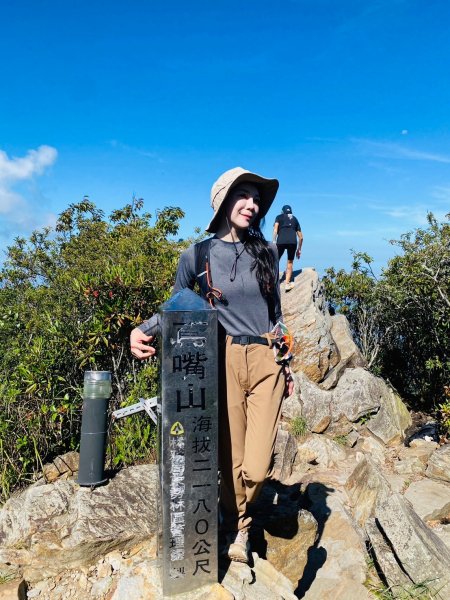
(415, 288)
(401, 320)
(68, 301)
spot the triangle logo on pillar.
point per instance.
(177, 429)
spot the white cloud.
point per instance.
(442, 193)
(386, 167)
(127, 148)
(414, 214)
(14, 208)
(34, 163)
(396, 151)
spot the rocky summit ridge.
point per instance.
(352, 513)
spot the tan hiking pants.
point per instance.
(249, 413)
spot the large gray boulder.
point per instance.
(395, 577)
(413, 461)
(306, 315)
(358, 393)
(393, 418)
(332, 388)
(325, 452)
(364, 486)
(309, 402)
(420, 552)
(430, 499)
(372, 447)
(417, 550)
(350, 354)
(439, 464)
(324, 345)
(50, 527)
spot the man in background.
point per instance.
(286, 232)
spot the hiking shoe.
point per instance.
(288, 287)
(239, 547)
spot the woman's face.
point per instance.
(242, 205)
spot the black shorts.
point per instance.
(291, 248)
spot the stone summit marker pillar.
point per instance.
(189, 441)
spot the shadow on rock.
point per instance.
(275, 514)
(294, 275)
(286, 530)
(315, 501)
(275, 517)
(282, 532)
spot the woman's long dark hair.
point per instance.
(264, 260)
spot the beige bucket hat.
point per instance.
(267, 190)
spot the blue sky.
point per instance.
(347, 103)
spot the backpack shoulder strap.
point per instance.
(202, 263)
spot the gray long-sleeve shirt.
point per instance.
(247, 311)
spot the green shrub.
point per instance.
(68, 301)
(341, 440)
(401, 319)
(298, 426)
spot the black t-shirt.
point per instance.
(287, 229)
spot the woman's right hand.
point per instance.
(139, 344)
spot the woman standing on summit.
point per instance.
(242, 279)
